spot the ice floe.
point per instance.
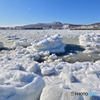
(66, 77)
(12, 37)
(47, 71)
(19, 85)
(53, 57)
(49, 43)
(21, 42)
(54, 93)
(90, 40)
(33, 69)
(44, 53)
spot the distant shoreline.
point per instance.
(54, 25)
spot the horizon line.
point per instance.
(45, 23)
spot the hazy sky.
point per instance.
(21, 12)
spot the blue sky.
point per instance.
(22, 12)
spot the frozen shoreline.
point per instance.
(79, 76)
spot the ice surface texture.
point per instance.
(54, 93)
(90, 40)
(21, 72)
(18, 85)
(50, 43)
(22, 42)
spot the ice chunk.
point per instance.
(47, 71)
(35, 56)
(93, 69)
(87, 97)
(49, 60)
(8, 67)
(22, 42)
(50, 43)
(57, 61)
(44, 53)
(90, 40)
(32, 68)
(21, 86)
(79, 75)
(55, 93)
(63, 86)
(92, 79)
(53, 57)
(12, 37)
(66, 76)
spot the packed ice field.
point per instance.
(49, 64)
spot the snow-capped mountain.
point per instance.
(56, 25)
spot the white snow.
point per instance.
(66, 77)
(47, 71)
(54, 93)
(22, 42)
(50, 43)
(32, 68)
(35, 56)
(90, 40)
(53, 57)
(18, 85)
(44, 53)
(12, 37)
(22, 77)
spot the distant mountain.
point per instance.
(95, 24)
(55, 25)
(43, 25)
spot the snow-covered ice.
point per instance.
(22, 42)
(66, 77)
(12, 37)
(33, 69)
(50, 43)
(54, 93)
(90, 40)
(44, 53)
(19, 85)
(47, 71)
(53, 57)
